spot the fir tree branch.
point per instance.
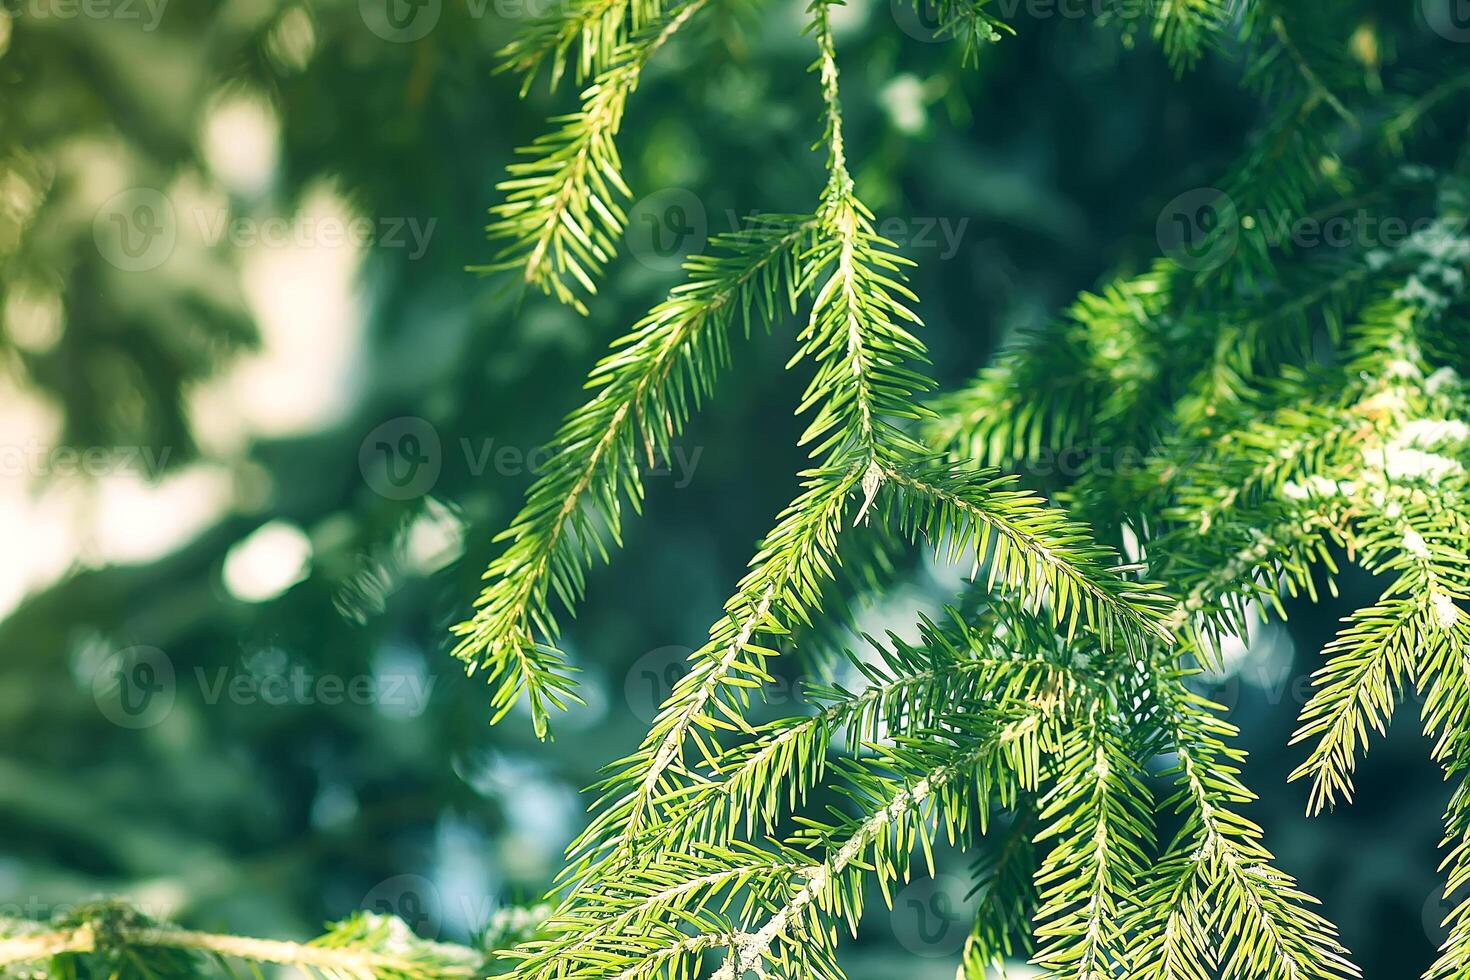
(646, 390)
(1454, 953)
(44, 945)
(891, 829)
(1216, 879)
(1319, 91)
(1358, 689)
(856, 333)
(1099, 817)
(911, 688)
(562, 213)
(597, 28)
(1266, 454)
(782, 588)
(965, 21)
(1185, 28)
(1036, 551)
(860, 385)
(1007, 902)
(1052, 388)
(365, 946)
(625, 915)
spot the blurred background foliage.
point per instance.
(232, 525)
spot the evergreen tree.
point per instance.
(1256, 413)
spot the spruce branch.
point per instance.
(1274, 434)
(857, 333)
(597, 29)
(782, 588)
(563, 214)
(911, 688)
(1036, 551)
(860, 387)
(903, 807)
(1098, 816)
(1217, 879)
(1300, 60)
(1054, 385)
(914, 691)
(1358, 689)
(1187, 28)
(968, 22)
(1454, 953)
(646, 390)
(1007, 901)
(364, 947)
